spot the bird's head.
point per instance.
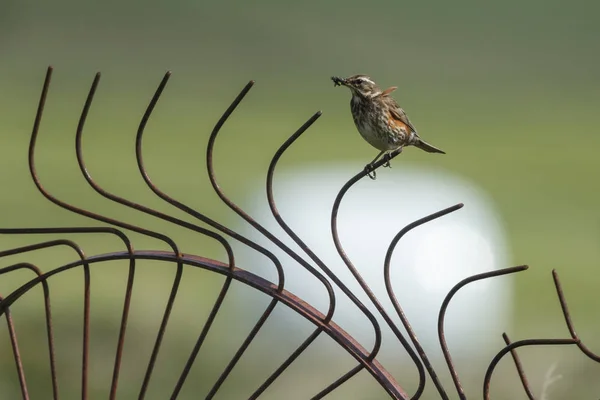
(360, 85)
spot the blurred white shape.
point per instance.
(427, 262)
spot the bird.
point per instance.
(380, 120)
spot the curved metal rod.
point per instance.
(363, 284)
(512, 346)
(156, 214)
(216, 225)
(15, 348)
(66, 206)
(128, 291)
(48, 312)
(86, 296)
(289, 231)
(288, 299)
(519, 367)
(396, 303)
(242, 213)
(312, 255)
(565, 310)
(97, 217)
(442, 315)
(125, 202)
(238, 210)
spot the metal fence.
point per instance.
(366, 359)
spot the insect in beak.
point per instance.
(338, 81)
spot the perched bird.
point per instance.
(379, 119)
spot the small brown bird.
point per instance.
(379, 119)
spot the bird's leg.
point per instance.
(377, 158)
(370, 171)
(369, 167)
(388, 156)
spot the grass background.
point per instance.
(510, 90)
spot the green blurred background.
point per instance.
(510, 90)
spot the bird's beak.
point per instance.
(338, 81)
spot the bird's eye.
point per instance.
(359, 81)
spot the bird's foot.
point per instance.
(370, 171)
(387, 159)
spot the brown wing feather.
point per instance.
(387, 91)
(398, 113)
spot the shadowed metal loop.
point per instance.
(322, 321)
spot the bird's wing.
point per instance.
(387, 91)
(398, 113)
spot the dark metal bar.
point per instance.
(16, 354)
(363, 284)
(392, 296)
(567, 315)
(519, 367)
(340, 381)
(200, 341)
(242, 349)
(442, 315)
(512, 346)
(286, 364)
(49, 330)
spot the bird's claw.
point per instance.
(371, 171)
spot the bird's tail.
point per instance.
(423, 145)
